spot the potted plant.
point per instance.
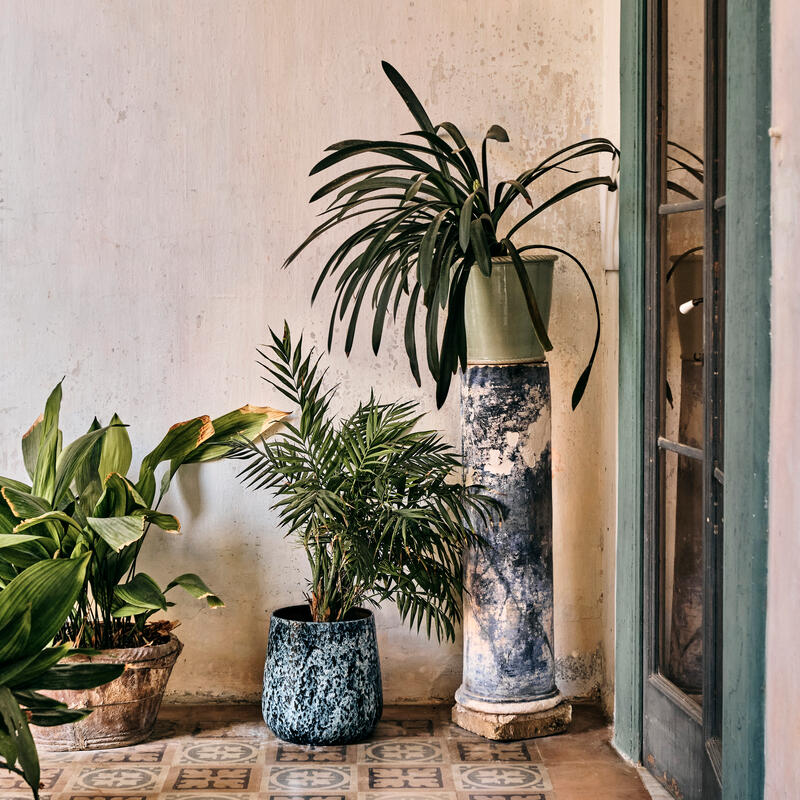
(433, 233)
(368, 500)
(33, 607)
(79, 503)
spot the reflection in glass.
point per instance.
(685, 95)
(682, 309)
(682, 328)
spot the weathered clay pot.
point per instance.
(322, 680)
(124, 710)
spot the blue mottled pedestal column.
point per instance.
(509, 689)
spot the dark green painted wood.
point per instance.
(628, 653)
(747, 382)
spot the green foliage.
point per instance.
(80, 504)
(367, 498)
(433, 215)
(33, 608)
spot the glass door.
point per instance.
(683, 400)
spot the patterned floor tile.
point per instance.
(309, 779)
(406, 795)
(218, 751)
(482, 750)
(212, 778)
(293, 753)
(150, 753)
(393, 728)
(509, 796)
(122, 779)
(312, 796)
(48, 757)
(103, 796)
(212, 795)
(227, 753)
(500, 778)
(26, 796)
(9, 782)
(255, 729)
(393, 777)
(408, 751)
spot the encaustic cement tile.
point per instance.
(406, 795)
(213, 779)
(117, 779)
(467, 750)
(501, 778)
(416, 750)
(418, 756)
(151, 753)
(309, 779)
(219, 752)
(395, 728)
(284, 753)
(52, 779)
(417, 778)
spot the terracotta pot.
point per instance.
(124, 710)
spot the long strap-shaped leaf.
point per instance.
(580, 386)
(530, 296)
(409, 98)
(573, 188)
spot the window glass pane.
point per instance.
(681, 280)
(682, 328)
(682, 575)
(685, 98)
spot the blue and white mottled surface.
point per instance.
(322, 681)
(508, 615)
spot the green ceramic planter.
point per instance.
(499, 328)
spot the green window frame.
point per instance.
(746, 389)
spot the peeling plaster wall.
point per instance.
(783, 593)
(154, 167)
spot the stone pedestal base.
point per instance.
(507, 727)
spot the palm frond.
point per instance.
(368, 497)
(428, 206)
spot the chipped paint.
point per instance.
(508, 618)
(580, 674)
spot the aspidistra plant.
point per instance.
(80, 501)
(428, 214)
(33, 608)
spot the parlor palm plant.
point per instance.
(367, 498)
(432, 215)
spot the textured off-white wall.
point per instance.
(154, 164)
(783, 589)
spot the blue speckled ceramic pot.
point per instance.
(322, 680)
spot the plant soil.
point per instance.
(154, 633)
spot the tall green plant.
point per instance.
(366, 497)
(80, 502)
(432, 215)
(33, 608)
